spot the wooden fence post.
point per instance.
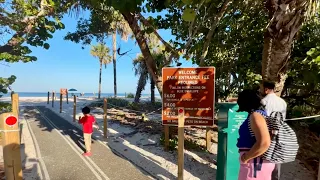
(180, 143)
(48, 97)
(67, 97)
(15, 104)
(60, 103)
(166, 137)
(105, 122)
(11, 145)
(208, 138)
(74, 107)
(53, 99)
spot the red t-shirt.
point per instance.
(87, 122)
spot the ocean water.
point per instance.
(45, 94)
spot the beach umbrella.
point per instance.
(72, 90)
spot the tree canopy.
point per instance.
(24, 24)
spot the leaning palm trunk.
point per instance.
(141, 85)
(141, 40)
(114, 45)
(286, 18)
(99, 93)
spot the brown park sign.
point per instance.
(191, 88)
(63, 91)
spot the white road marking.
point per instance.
(36, 145)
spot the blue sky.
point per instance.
(66, 65)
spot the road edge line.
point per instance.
(42, 165)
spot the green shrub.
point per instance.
(134, 106)
(118, 102)
(130, 95)
(5, 107)
(173, 143)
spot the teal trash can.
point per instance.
(229, 122)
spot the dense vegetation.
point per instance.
(247, 41)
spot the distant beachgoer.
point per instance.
(87, 121)
(254, 138)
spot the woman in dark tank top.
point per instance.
(254, 138)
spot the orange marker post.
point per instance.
(9, 127)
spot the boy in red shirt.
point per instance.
(87, 121)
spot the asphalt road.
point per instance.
(61, 145)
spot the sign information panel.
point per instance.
(191, 88)
(63, 91)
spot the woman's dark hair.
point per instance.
(86, 110)
(249, 101)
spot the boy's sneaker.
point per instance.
(87, 154)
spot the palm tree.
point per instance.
(286, 19)
(118, 26)
(140, 68)
(101, 52)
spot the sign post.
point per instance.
(9, 127)
(63, 92)
(180, 143)
(67, 93)
(188, 100)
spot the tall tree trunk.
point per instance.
(286, 18)
(152, 87)
(99, 93)
(141, 85)
(141, 40)
(114, 45)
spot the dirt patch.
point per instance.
(309, 150)
(194, 136)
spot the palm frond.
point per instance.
(101, 51)
(312, 7)
(76, 10)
